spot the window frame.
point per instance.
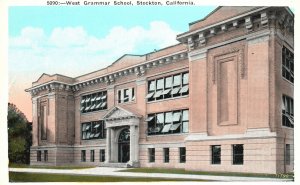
(287, 154)
(93, 102)
(165, 92)
(287, 63)
(182, 155)
(287, 109)
(216, 155)
(92, 155)
(124, 95)
(45, 155)
(235, 155)
(102, 155)
(93, 129)
(38, 155)
(166, 155)
(155, 126)
(151, 154)
(83, 156)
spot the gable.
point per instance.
(220, 14)
(43, 78)
(126, 61)
(119, 113)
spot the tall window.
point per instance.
(287, 64)
(93, 130)
(93, 102)
(102, 155)
(182, 155)
(168, 122)
(216, 154)
(151, 152)
(126, 95)
(83, 156)
(237, 154)
(168, 87)
(166, 155)
(287, 111)
(39, 155)
(92, 155)
(287, 154)
(45, 155)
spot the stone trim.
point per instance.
(109, 78)
(162, 145)
(258, 38)
(260, 133)
(197, 55)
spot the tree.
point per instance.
(19, 135)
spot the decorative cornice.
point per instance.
(198, 38)
(139, 70)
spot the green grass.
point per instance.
(14, 165)
(39, 177)
(182, 171)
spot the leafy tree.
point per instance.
(19, 135)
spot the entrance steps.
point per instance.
(120, 165)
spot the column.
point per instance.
(108, 145)
(132, 143)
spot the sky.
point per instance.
(76, 40)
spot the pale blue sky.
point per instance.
(98, 20)
(77, 40)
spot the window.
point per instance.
(93, 130)
(287, 111)
(92, 155)
(182, 155)
(93, 102)
(287, 64)
(151, 155)
(216, 154)
(168, 122)
(83, 157)
(287, 154)
(45, 155)
(168, 87)
(166, 155)
(126, 95)
(102, 155)
(39, 155)
(237, 154)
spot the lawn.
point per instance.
(39, 177)
(182, 171)
(14, 165)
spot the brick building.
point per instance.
(220, 100)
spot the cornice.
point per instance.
(262, 16)
(139, 70)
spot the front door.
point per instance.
(124, 146)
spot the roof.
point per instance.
(221, 13)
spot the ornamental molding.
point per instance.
(261, 17)
(240, 61)
(197, 55)
(138, 70)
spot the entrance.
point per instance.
(124, 146)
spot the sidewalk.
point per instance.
(105, 171)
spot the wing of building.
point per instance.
(220, 100)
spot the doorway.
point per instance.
(124, 146)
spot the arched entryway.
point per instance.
(124, 146)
